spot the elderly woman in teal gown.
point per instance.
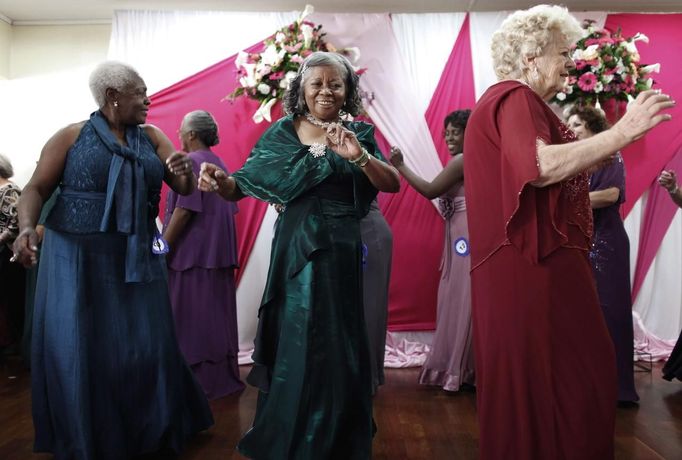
(311, 360)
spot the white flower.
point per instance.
(263, 88)
(279, 37)
(242, 58)
(263, 112)
(283, 83)
(649, 83)
(307, 32)
(651, 68)
(620, 67)
(306, 12)
(640, 37)
(591, 52)
(598, 87)
(630, 46)
(607, 78)
(595, 68)
(561, 96)
(568, 89)
(271, 56)
(290, 75)
(353, 54)
(577, 54)
(249, 79)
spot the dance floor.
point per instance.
(414, 422)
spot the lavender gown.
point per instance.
(610, 258)
(202, 286)
(451, 361)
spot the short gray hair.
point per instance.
(6, 170)
(111, 74)
(527, 33)
(204, 126)
(294, 97)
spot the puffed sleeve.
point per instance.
(535, 220)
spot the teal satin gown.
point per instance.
(311, 359)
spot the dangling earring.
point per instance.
(115, 103)
(535, 74)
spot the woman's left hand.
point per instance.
(343, 142)
(179, 164)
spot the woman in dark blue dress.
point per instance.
(108, 378)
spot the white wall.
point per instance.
(48, 86)
(5, 43)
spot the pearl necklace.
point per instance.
(319, 123)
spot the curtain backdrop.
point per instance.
(399, 77)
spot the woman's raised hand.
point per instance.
(25, 247)
(211, 178)
(643, 114)
(396, 159)
(179, 164)
(668, 180)
(343, 142)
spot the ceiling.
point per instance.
(26, 12)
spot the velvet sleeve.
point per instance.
(279, 167)
(611, 175)
(534, 223)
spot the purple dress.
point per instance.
(202, 286)
(610, 258)
(451, 360)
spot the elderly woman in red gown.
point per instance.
(546, 378)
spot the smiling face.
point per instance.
(579, 127)
(324, 90)
(454, 138)
(553, 67)
(133, 103)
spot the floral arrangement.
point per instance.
(265, 76)
(606, 67)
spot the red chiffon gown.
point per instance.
(545, 365)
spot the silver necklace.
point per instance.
(319, 123)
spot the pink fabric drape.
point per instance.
(645, 158)
(455, 89)
(238, 133)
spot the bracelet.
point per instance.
(362, 160)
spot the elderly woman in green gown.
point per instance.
(311, 361)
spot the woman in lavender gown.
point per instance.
(450, 363)
(200, 232)
(610, 253)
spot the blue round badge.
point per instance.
(461, 246)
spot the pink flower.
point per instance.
(297, 59)
(606, 41)
(572, 80)
(587, 81)
(591, 41)
(293, 49)
(361, 71)
(592, 62)
(276, 75)
(609, 70)
(580, 64)
(306, 53)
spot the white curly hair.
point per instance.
(111, 74)
(527, 33)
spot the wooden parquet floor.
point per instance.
(414, 422)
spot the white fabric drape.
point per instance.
(425, 42)
(167, 46)
(659, 301)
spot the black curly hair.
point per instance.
(294, 99)
(457, 119)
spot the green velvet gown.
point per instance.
(311, 359)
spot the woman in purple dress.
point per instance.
(610, 253)
(450, 363)
(200, 232)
